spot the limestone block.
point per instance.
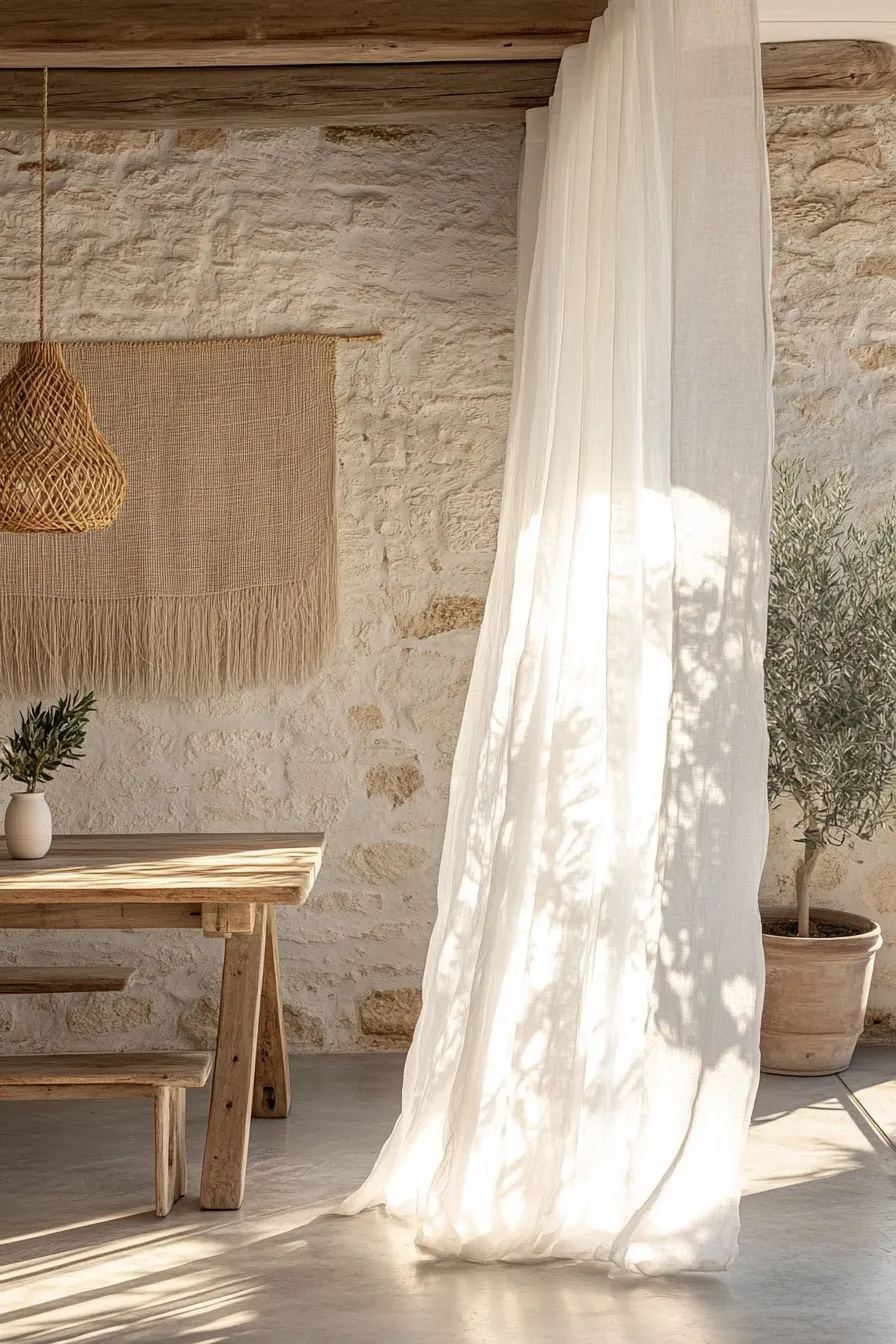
(386, 861)
(882, 888)
(366, 718)
(347, 902)
(839, 173)
(880, 1025)
(881, 355)
(853, 139)
(876, 207)
(201, 137)
(885, 267)
(846, 231)
(801, 215)
(470, 520)
(199, 1023)
(397, 783)
(379, 135)
(831, 871)
(103, 142)
(442, 713)
(442, 614)
(391, 1013)
(95, 1015)
(304, 1031)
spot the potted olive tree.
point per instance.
(47, 739)
(831, 703)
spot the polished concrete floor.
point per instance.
(82, 1257)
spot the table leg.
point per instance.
(227, 1137)
(270, 1095)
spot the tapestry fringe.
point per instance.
(178, 647)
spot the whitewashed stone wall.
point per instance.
(834, 195)
(408, 232)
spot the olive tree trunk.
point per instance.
(812, 848)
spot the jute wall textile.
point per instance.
(220, 572)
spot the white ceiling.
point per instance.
(800, 20)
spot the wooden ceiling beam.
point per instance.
(794, 73)
(806, 73)
(279, 96)
(165, 33)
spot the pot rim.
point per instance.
(28, 793)
(867, 930)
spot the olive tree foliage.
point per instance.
(830, 679)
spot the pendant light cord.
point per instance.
(43, 195)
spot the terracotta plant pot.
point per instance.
(816, 993)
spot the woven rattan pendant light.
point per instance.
(57, 473)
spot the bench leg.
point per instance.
(179, 1117)
(171, 1150)
(270, 1094)
(230, 1111)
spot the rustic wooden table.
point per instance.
(229, 887)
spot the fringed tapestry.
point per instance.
(220, 572)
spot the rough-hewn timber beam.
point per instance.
(793, 73)
(279, 96)
(798, 73)
(132, 33)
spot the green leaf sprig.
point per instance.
(47, 739)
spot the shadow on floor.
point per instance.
(817, 1247)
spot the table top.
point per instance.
(100, 863)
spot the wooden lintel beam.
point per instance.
(280, 96)
(162, 33)
(794, 73)
(800, 74)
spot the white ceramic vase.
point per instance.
(28, 826)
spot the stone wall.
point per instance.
(834, 197)
(408, 232)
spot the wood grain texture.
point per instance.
(172, 865)
(164, 1148)
(179, 1141)
(809, 73)
(74, 1091)
(180, 1068)
(132, 33)
(271, 1086)
(162, 896)
(793, 73)
(280, 96)
(63, 979)
(222, 920)
(110, 914)
(230, 1111)
(171, 1147)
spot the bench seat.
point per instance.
(64, 979)
(162, 1075)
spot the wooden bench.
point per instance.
(89, 1077)
(64, 979)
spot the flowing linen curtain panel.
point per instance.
(581, 1078)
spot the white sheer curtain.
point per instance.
(583, 1070)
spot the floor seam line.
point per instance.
(866, 1114)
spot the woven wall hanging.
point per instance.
(221, 570)
(57, 473)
